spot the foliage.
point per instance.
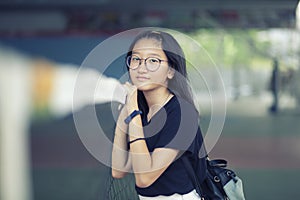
(228, 48)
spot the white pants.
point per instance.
(189, 196)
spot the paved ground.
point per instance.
(264, 149)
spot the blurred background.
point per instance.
(255, 46)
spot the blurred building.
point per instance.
(92, 16)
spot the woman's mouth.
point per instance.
(142, 78)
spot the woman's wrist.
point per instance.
(132, 115)
(132, 107)
(133, 141)
(136, 139)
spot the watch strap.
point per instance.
(132, 115)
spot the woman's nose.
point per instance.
(142, 67)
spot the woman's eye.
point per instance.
(153, 60)
(135, 59)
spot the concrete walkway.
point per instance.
(264, 150)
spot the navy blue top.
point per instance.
(174, 126)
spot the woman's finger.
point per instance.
(129, 87)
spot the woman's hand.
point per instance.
(122, 116)
(130, 105)
(131, 100)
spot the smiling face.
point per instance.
(142, 77)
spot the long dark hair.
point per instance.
(178, 85)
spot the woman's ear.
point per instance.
(171, 73)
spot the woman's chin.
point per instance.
(149, 87)
(145, 87)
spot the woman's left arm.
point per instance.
(147, 166)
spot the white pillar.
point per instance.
(297, 74)
(15, 97)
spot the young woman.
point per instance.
(159, 123)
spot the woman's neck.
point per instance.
(157, 97)
(156, 100)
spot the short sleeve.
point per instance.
(180, 128)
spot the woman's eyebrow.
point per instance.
(134, 52)
(154, 54)
(150, 54)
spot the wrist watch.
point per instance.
(132, 115)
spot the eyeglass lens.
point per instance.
(152, 64)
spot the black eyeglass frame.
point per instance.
(128, 58)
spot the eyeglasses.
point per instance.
(152, 64)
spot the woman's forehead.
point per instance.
(147, 43)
